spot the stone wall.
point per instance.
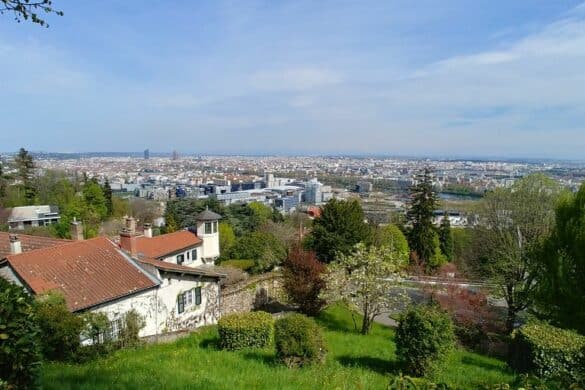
(251, 293)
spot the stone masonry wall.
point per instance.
(251, 293)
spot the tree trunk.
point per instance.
(512, 309)
(366, 324)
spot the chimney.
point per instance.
(147, 230)
(76, 230)
(15, 246)
(128, 242)
(131, 224)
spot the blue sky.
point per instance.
(426, 77)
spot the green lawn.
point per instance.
(353, 362)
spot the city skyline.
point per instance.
(492, 81)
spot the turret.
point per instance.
(208, 231)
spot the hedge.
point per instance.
(548, 352)
(299, 340)
(424, 339)
(244, 265)
(246, 330)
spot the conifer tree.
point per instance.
(423, 202)
(25, 166)
(446, 237)
(107, 189)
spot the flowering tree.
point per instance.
(366, 280)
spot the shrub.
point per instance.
(20, 356)
(60, 328)
(303, 280)
(299, 340)
(424, 339)
(244, 265)
(132, 323)
(246, 330)
(548, 352)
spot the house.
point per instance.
(151, 275)
(25, 217)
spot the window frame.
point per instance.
(180, 259)
(210, 226)
(197, 299)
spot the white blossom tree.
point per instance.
(366, 280)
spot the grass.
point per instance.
(354, 362)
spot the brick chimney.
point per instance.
(128, 242)
(76, 230)
(15, 245)
(147, 230)
(131, 224)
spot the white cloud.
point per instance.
(294, 79)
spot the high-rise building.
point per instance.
(146, 154)
(175, 155)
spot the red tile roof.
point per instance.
(176, 268)
(165, 244)
(87, 272)
(28, 243)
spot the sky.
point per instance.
(442, 78)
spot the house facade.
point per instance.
(169, 280)
(25, 217)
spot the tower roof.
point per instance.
(207, 215)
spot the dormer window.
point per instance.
(180, 259)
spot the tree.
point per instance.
(26, 9)
(561, 267)
(20, 357)
(170, 224)
(339, 228)
(25, 167)
(107, 190)
(265, 249)
(365, 280)
(423, 202)
(227, 239)
(392, 237)
(446, 237)
(514, 224)
(303, 280)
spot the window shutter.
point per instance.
(181, 303)
(198, 296)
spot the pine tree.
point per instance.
(170, 223)
(446, 237)
(25, 166)
(107, 189)
(423, 202)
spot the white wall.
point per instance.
(189, 263)
(158, 306)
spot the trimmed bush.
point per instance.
(424, 339)
(246, 330)
(244, 265)
(299, 340)
(548, 352)
(20, 358)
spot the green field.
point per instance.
(354, 362)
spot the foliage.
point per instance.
(96, 327)
(364, 280)
(120, 207)
(446, 238)
(299, 341)
(303, 280)
(144, 210)
(561, 269)
(245, 330)
(107, 192)
(392, 237)
(260, 213)
(462, 244)
(227, 239)
(60, 328)
(26, 9)
(20, 356)
(424, 340)
(132, 323)
(264, 248)
(549, 352)
(170, 224)
(340, 227)
(26, 169)
(401, 382)
(244, 265)
(184, 211)
(353, 361)
(514, 223)
(423, 202)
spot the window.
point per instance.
(215, 227)
(197, 295)
(180, 259)
(188, 298)
(188, 255)
(114, 329)
(194, 254)
(207, 227)
(189, 260)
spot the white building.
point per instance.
(25, 217)
(169, 280)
